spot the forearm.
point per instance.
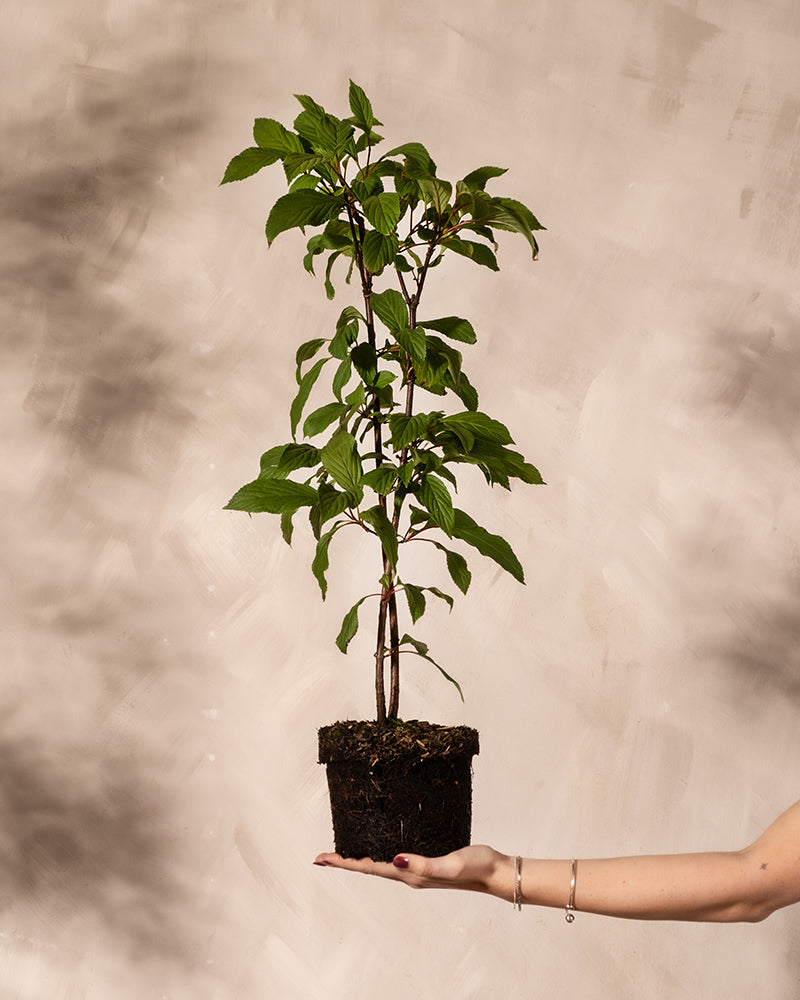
(705, 887)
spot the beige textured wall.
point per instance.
(166, 663)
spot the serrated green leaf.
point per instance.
(414, 152)
(453, 327)
(247, 163)
(331, 503)
(414, 343)
(343, 464)
(476, 179)
(456, 566)
(270, 134)
(301, 208)
(279, 462)
(390, 308)
(421, 649)
(320, 562)
(480, 425)
(383, 211)
(436, 193)
(272, 496)
(434, 495)
(304, 389)
(503, 215)
(405, 430)
(349, 625)
(305, 352)
(492, 546)
(378, 250)
(448, 600)
(361, 107)
(376, 518)
(381, 479)
(365, 362)
(322, 417)
(466, 392)
(287, 528)
(296, 164)
(416, 601)
(343, 375)
(478, 252)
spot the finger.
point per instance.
(365, 866)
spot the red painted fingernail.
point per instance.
(400, 862)
(322, 864)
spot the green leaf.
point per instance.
(492, 546)
(286, 526)
(479, 425)
(503, 216)
(279, 462)
(414, 343)
(377, 519)
(383, 211)
(435, 497)
(295, 164)
(453, 327)
(381, 479)
(320, 562)
(349, 625)
(322, 417)
(331, 503)
(306, 385)
(436, 193)
(416, 601)
(421, 649)
(305, 352)
(301, 208)
(343, 464)
(365, 361)
(522, 211)
(362, 108)
(466, 392)
(476, 179)
(456, 567)
(478, 252)
(379, 250)
(247, 163)
(334, 137)
(343, 375)
(406, 430)
(441, 595)
(270, 134)
(416, 153)
(272, 496)
(390, 308)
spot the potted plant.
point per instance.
(380, 452)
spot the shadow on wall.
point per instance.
(753, 388)
(85, 834)
(85, 826)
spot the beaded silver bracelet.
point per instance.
(570, 914)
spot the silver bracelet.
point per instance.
(517, 883)
(570, 914)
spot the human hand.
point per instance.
(476, 868)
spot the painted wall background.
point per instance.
(167, 663)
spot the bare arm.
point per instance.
(744, 885)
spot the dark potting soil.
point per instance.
(405, 786)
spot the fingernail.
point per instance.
(400, 862)
(321, 864)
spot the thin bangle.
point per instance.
(570, 914)
(517, 883)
